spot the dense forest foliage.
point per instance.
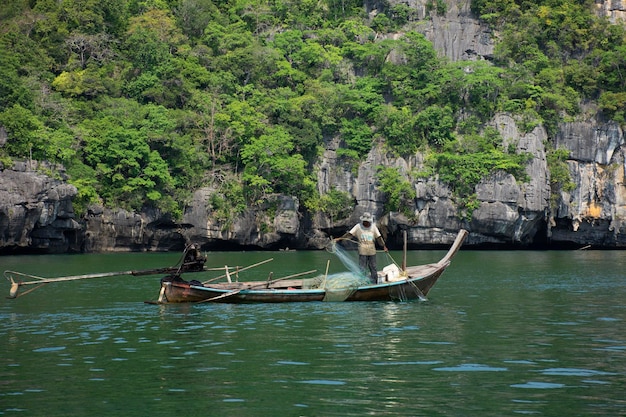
(143, 101)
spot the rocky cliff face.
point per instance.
(614, 10)
(456, 34)
(593, 213)
(36, 213)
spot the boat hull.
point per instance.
(410, 289)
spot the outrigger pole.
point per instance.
(16, 278)
(12, 275)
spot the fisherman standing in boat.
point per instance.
(368, 235)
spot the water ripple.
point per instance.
(471, 367)
(406, 363)
(50, 349)
(291, 363)
(538, 385)
(322, 382)
(573, 372)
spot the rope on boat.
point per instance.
(393, 260)
(419, 292)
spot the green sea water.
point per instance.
(501, 334)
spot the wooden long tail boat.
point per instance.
(408, 283)
(413, 282)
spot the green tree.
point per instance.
(270, 166)
(87, 83)
(224, 37)
(24, 131)
(357, 135)
(60, 145)
(195, 16)
(415, 73)
(481, 87)
(613, 105)
(364, 99)
(398, 128)
(399, 191)
(298, 115)
(9, 10)
(336, 204)
(612, 71)
(367, 55)
(130, 174)
(435, 125)
(12, 89)
(236, 126)
(152, 38)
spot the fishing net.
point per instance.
(349, 262)
(340, 286)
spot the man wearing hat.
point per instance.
(367, 234)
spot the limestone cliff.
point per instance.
(456, 34)
(593, 213)
(36, 213)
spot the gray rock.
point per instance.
(36, 213)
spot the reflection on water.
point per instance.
(502, 333)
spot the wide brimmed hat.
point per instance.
(367, 217)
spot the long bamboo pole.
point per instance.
(18, 279)
(15, 285)
(42, 280)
